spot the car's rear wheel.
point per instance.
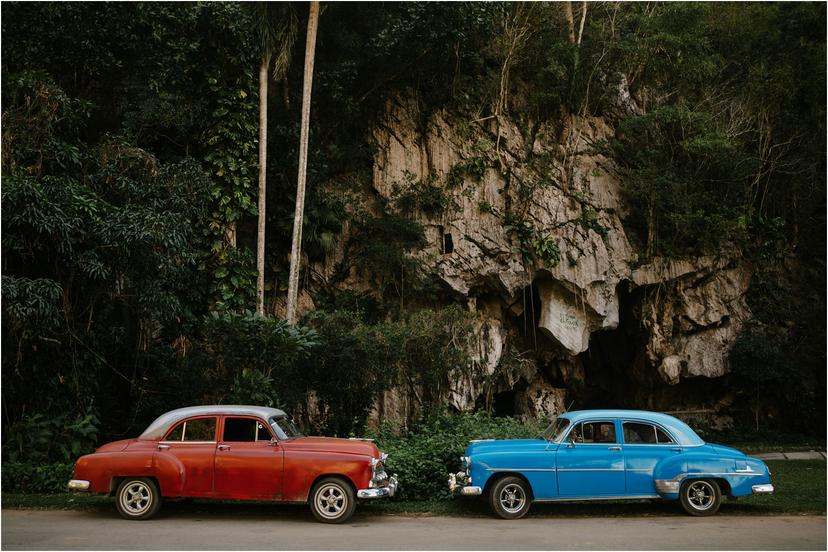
(137, 498)
(332, 500)
(510, 498)
(701, 497)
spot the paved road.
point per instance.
(94, 530)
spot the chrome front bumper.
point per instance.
(762, 489)
(380, 492)
(456, 482)
(78, 485)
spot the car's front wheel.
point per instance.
(332, 500)
(510, 498)
(137, 498)
(701, 497)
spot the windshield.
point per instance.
(285, 428)
(556, 429)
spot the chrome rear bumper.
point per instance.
(380, 492)
(78, 485)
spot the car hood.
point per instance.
(331, 444)
(506, 445)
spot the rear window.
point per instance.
(639, 433)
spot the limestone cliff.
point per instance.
(531, 239)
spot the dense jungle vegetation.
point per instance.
(129, 138)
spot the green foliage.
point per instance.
(234, 280)
(532, 244)
(251, 386)
(430, 449)
(360, 359)
(424, 195)
(128, 161)
(474, 167)
(230, 144)
(40, 438)
(684, 180)
(36, 478)
(545, 248)
(589, 221)
(381, 248)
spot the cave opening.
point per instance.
(503, 404)
(527, 311)
(448, 244)
(610, 361)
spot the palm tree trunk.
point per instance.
(296, 245)
(260, 238)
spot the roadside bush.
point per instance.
(30, 478)
(424, 455)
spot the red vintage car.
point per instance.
(234, 452)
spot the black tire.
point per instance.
(700, 497)
(510, 497)
(332, 500)
(137, 498)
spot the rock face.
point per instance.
(532, 223)
(694, 324)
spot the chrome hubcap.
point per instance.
(512, 498)
(136, 498)
(700, 495)
(331, 501)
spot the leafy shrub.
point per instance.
(30, 478)
(50, 438)
(424, 455)
(357, 360)
(424, 195)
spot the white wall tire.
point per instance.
(137, 498)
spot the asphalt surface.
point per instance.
(210, 530)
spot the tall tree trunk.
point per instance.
(260, 238)
(570, 20)
(296, 245)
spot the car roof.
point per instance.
(682, 432)
(164, 422)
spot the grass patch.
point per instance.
(800, 489)
(751, 442)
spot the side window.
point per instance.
(594, 432)
(639, 433)
(245, 430)
(177, 433)
(262, 432)
(239, 430)
(201, 429)
(662, 436)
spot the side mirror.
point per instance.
(273, 442)
(570, 443)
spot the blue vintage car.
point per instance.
(608, 455)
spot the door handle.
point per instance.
(163, 447)
(224, 447)
(676, 449)
(613, 448)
